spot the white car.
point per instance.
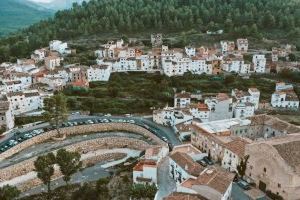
(165, 139)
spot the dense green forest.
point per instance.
(15, 14)
(253, 18)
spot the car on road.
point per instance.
(164, 139)
(12, 143)
(243, 184)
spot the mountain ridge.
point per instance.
(18, 14)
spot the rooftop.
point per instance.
(142, 163)
(184, 196)
(187, 163)
(237, 146)
(217, 179)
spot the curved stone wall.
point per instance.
(83, 129)
(83, 147)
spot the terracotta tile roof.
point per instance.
(237, 146)
(187, 163)
(217, 179)
(290, 152)
(139, 166)
(183, 94)
(184, 196)
(274, 122)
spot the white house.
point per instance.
(200, 66)
(220, 107)
(227, 46)
(190, 51)
(51, 62)
(243, 110)
(200, 111)
(6, 115)
(284, 97)
(235, 64)
(16, 85)
(182, 99)
(98, 73)
(22, 102)
(182, 167)
(251, 96)
(259, 63)
(145, 172)
(39, 55)
(242, 44)
(59, 46)
(233, 153)
(55, 83)
(171, 116)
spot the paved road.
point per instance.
(43, 148)
(166, 185)
(156, 129)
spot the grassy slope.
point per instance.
(15, 15)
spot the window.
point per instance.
(265, 170)
(279, 185)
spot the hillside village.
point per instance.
(218, 131)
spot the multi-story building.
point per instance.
(182, 99)
(190, 51)
(212, 137)
(200, 111)
(235, 64)
(242, 44)
(59, 46)
(26, 101)
(251, 96)
(234, 152)
(220, 106)
(227, 46)
(6, 116)
(53, 61)
(259, 63)
(98, 73)
(274, 165)
(284, 97)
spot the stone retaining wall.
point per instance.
(83, 129)
(57, 174)
(83, 147)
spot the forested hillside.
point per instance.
(255, 18)
(15, 14)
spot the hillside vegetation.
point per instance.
(276, 19)
(15, 15)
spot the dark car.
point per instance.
(202, 162)
(243, 184)
(208, 161)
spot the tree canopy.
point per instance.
(8, 192)
(239, 17)
(56, 111)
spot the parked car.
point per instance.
(208, 161)
(164, 139)
(202, 162)
(243, 184)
